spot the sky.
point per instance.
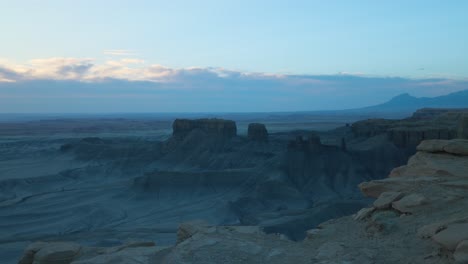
(234, 56)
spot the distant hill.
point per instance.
(405, 103)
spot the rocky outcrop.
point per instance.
(412, 136)
(50, 253)
(311, 144)
(72, 253)
(257, 132)
(432, 188)
(408, 133)
(211, 126)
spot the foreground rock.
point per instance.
(50, 253)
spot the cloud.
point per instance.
(154, 87)
(119, 52)
(8, 75)
(132, 61)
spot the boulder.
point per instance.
(211, 126)
(450, 237)
(30, 251)
(430, 230)
(375, 188)
(432, 146)
(386, 198)
(461, 252)
(364, 213)
(457, 147)
(257, 132)
(50, 253)
(408, 203)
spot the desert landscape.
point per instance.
(107, 183)
(233, 132)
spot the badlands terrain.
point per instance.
(219, 191)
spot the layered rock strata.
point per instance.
(211, 126)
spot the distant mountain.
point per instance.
(405, 103)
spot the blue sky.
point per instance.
(166, 41)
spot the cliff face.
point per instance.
(411, 137)
(211, 126)
(424, 124)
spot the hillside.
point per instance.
(405, 103)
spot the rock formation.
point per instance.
(425, 124)
(311, 144)
(412, 136)
(257, 132)
(419, 217)
(211, 126)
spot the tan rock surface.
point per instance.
(386, 199)
(461, 252)
(450, 237)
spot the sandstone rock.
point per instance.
(375, 188)
(30, 251)
(408, 203)
(188, 229)
(450, 237)
(463, 127)
(457, 147)
(461, 252)
(386, 198)
(429, 231)
(382, 221)
(257, 132)
(211, 126)
(330, 250)
(363, 213)
(432, 145)
(310, 234)
(57, 253)
(398, 171)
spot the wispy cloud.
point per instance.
(120, 52)
(204, 88)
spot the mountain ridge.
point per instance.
(407, 103)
